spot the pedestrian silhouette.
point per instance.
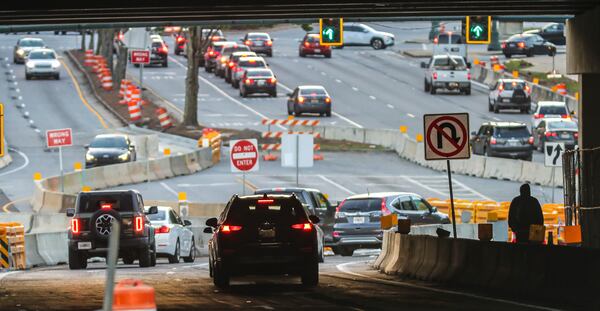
(525, 211)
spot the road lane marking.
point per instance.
(410, 180)
(343, 268)
(372, 97)
(469, 189)
(175, 193)
(11, 203)
(148, 88)
(246, 183)
(355, 89)
(5, 274)
(337, 185)
(227, 95)
(390, 106)
(410, 115)
(338, 80)
(222, 184)
(20, 167)
(78, 89)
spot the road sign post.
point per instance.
(244, 158)
(553, 153)
(57, 139)
(446, 138)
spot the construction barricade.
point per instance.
(132, 295)
(211, 138)
(12, 246)
(163, 118)
(135, 112)
(291, 123)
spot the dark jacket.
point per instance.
(525, 210)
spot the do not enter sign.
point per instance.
(244, 155)
(446, 136)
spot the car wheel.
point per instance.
(128, 260)
(206, 68)
(468, 91)
(274, 94)
(377, 44)
(426, 86)
(177, 52)
(136, 65)
(321, 254)
(220, 276)
(528, 158)
(432, 90)
(490, 107)
(145, 257)
(328, 113)
(175, 257)
(192, 255)
(297, 112)
(346, 251)
(301, 54)
(328, 55)
(165, 63)
(27, 77)
(153, 255)
(529, 53)
(270, 54)
(77, 260)
(290, 112)
(57, 76)
(310, 275)
(496, 108)
(486, 153)
(236, 84)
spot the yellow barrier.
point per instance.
(12, 245)
(212, 139)
(389, 221)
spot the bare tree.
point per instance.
(121, 66)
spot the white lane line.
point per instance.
(469, 189)
(412, 181)
(337, 185)
(410, 115)
(333, 112)
(24, 165)
(3, 275)
(343, 268)
(390, 106)
(355, 89)
(169, 189)
(485, 87)
(228, 96)
(323, 73)
(423, 46)
(372, 97)
(338, 80)
(496, 118)
(221, 184)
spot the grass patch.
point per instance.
(572, 85)
(517, 64)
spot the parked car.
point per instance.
(24, 46)
(259, 42)
(109, 149)
(223, 62)
(553, 32)
(258, 81)
(42, 63)
(310, 45)
(503, 139)
(450, 43)
(309, 99)
(173, 236)
(556, 130)
(527, 44)
(232, 65)
(361, 34)
(244, 63)
(91, 227)
(449, 72)
(510, 94)
(549, 110)
(262, 234)
(315, 201)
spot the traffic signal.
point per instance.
(479, 29)
(331, 31)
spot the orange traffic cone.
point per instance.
(133, 295)
(135, 112)
(89, 58)
(163, 117)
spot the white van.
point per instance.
(450, 43)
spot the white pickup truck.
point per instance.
(448, 72)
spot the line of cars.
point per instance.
(39, 60)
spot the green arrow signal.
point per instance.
(329, 33)
(477, 30)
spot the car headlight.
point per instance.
(55, 65)
(20, 52)
(30, 65)
(124, 156)
(89, 157)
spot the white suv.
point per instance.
(361, 34)
(549, 110)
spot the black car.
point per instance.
(553, 32)
(262, 234)
(527, 44)
(258, 81)
(309, 99)
(556, 131)
(109, 149)
(358, 218)
(91, 226)
(259, 42)
(503, 139)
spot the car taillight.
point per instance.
(230, 228)
(304, 227)
(269, 43)
(501, 87)
(272, 80)
(248, 42)
(521, 45)
(300, 99)
(162, 229)
(75, 225)
(328, 100)
(211, 53)
(384, 210)
(435, 40)
(223, 59)
(265, 201)
(435, 76)
(493, 141)
(551, 134)
(249, 81)
(238, 69)
(106, 206)
(164, 49)
(564, 116)
(503, 45)
(538, 116)
(576, 135)
(139, 223)
(468, 76)
(180, 39)
(336, 234)
(528, 89)
(306, 44)
(231, 64)
(530, 141)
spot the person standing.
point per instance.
(524, 211)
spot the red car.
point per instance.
(310, 46)
(180, 42)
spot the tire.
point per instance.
(243, 94)
(220, 277)
(27, 77)
(206, 68)
(192, 255)
(321, 256)
(301, 54)
(528, 158)
(270, 54)
(290, 112)
(145, 257)
(177, 52)
(432, 90)
(310, 275)
(57, 76)
(346, 251)
(153, 256)
(235, 84)
(496, 108)
(77, 261)
(377, 44)
(175, 258)
(328, 113)
(297, 112)
(273, 94)
(136, 65)
(468, 91)
(426, 86)
(328, 55)
(486, 153)
(128, 260)
(551, 53)
(490, 107)
(165, 63)
(529, 53)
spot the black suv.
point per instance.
(91, 225)
(503, 139)
(262, 234)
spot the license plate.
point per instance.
(269, 233)
(314, 101)
(453, 84)
(358, 220)
(84, 245)
(506, 100)
(512, 45)
(565, 136)
(513, 142)
(317, 50)
(258, 43)
(260, 82)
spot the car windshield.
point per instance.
(361, 205)
(109, 142)
(258, 36)
(260, 73)
(449, 39)
(313, 92)
(509, 86)
(31, 43)
(252, 212)
(252, 64)
(312, 39)
(42, 55)
(449, 63)
(512, 132)
(562, 125)
(92, 203)
(516, 38)
(160, 216)
(217, 48)
(558, 110)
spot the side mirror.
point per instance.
(187, 223)
(212, 222)
(314, 219)
(70, 212)
(423, 65)
(152, 210)
(208, 230)
(241, 40)
(272, 39)
(86, 147)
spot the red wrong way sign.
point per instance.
(140, 57)
(446, 136)
(59, 138)
(244, 155)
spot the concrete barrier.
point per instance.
(72, 182)
(384, 248)
(409, 151)
(381, 137)
(502, 168)
(429, 258)
(137, 171)
(388, 250)
(179, 165)
(94, 177)
(52, 247)
(161, 169)
(390, 267)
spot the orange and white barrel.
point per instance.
(163, 117)
(107, 83)
(136, 95)
(135, 111)
(561, 89)
(128, 92)
(123, 88)
(89, 58)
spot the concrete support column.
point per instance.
(589, 110)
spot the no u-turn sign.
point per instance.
(446, 136)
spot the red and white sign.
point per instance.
(140, 57)
(446, 136)
(244, 155)
(59, 138)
